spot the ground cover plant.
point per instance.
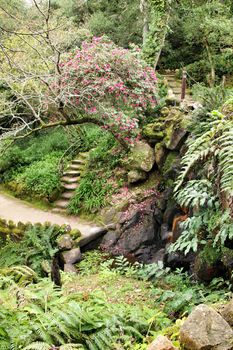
(110, 307)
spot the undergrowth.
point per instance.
(116, 305)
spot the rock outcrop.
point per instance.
(226, 311)
(141, 157)
(206, 329)
(137, 233)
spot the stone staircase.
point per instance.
(174, 89)
(70, 182)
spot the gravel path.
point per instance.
(16, 210)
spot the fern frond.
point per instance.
(38, 346)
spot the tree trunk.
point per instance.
(212, 66)
(144, 11)
(163, 37)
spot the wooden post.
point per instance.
(183, 88)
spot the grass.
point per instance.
(114, 288)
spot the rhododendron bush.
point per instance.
(110, 84)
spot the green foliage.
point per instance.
(202, 50)
(58, 320)
(182, 294)
(211, 98)
(37, 246)
(90, 195)
(91, 262)
(137, 270)
(120, 20)
(30, 167)
(41, 178)
(210, 152)
(158, 28)
(214, 143)
(33, 149)
(97, 182)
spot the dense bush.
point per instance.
(114, 87)
(42, 178)
(32, 149)
(30, 167)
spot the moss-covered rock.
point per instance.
(208, 264)
(141, 157)
(65, 242)
(171, 161)
(135, 176)
(153, 132)
(75, 233)
(160, 155)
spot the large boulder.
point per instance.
(137, 233)
(141, 157)
(161, 343)
(226, 312)
(206, 329)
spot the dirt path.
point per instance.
(16, 210)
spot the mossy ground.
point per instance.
(113, 288)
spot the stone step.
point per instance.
(80, 166)
(170, 76)
(62, 204)
(176, 90)
(70, 180)
(83, 156)
(175, 85)
(67, 195)
(78, 161)
(59, 211)
(72, 173)
(70, 187)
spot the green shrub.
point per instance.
(90, 195)
(41, 178)
(32, 149)
(211, 98)
(46, 315)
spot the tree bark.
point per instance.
(144, 11)
(212, 66)
(165, 30)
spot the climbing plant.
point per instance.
(158, 28)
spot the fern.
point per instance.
(196, 193)
(45, 346)
(210, 153)
(215, 143)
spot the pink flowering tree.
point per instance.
(97, 83)
(106, 85)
